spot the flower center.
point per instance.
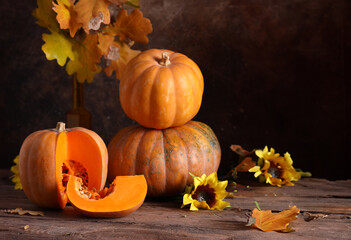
(274, 171)
(205, 193)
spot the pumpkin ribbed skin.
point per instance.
(44, 152)
(164, 157)
(37, 170)
(160, 95)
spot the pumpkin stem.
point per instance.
(165, 59)
(61, 127)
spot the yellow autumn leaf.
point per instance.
(67, 16)
(268, 221)
(91, 13)
(133, 26)
(87, 57)
(58, 47)
(83, 73)
(118, 65)
(45, 16)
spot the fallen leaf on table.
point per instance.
(311, 216)
(20, 211)
(268, 221)
(26, 227)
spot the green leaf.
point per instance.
(58, 47)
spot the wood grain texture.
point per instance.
(164, 219)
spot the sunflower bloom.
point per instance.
(275, 169)
(15, 177)
(208, 193)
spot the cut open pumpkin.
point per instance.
(125, 195)
(77, 154)
(48, 157)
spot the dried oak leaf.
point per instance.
(91, 13)
(20, 211)
(240, 150)
(67, 16)
(245, 165)
(268, 221)
(133, 26)
(45, 16)
(118, 65)
(108, 46)
(86, 58)
(58, 47)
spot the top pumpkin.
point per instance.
(161, 89)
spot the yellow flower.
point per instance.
(15, 177)
(208, 193)
(275, 169)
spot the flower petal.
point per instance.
(193, 207)
(220, 205)
(212, 179)
(255, 169)
(202, 204)
(187, 199)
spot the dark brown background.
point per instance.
(274, 75)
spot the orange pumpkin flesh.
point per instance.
(161, 89)
(48, 157)
(164, 157)
(125, 195)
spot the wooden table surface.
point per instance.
(164, 219)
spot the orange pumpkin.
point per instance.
(164, 157)
(161, 89)
(125, 195)
(48, 157)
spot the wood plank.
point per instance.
(164, 219)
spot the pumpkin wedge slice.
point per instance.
(124, 196)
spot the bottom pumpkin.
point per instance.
(165, 157)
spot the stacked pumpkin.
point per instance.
(162, 91)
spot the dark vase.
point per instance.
(78, 116)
